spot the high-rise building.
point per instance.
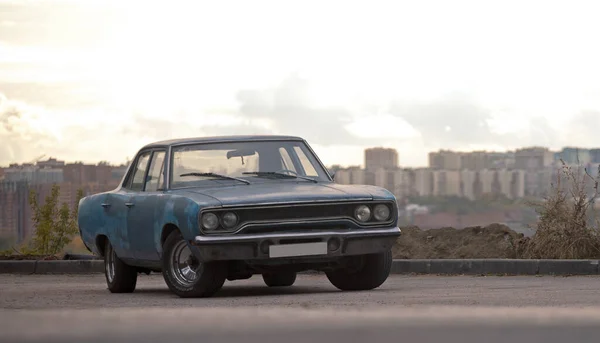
(518, 184)
(51, 163)
(479, 160)
(595, 156)
(539, 182)
(446, 183)
(467, 182)
(385, 158)
(533, 158)
(445, 159)
(402, 182)
(422, 182)
(574, 156)
(475, 160)
(15, 213)
(33, 174)
(484, 180)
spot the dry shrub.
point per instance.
(567, 227)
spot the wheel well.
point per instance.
(166, 231)
(101, 243)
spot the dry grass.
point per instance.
(567, 227)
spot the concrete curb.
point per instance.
(52, 267)
(496, 267)
(434, 266)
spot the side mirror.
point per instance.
(333, 176)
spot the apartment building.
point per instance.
(352, 175)
(539, 182)
(595, 156)
(467, 183)
(446, 183)
(422, 182)
(533, 158)
(381, 158)
(484, 180)
(33, 174)
(480, 160)
(518, 184)
(445, 159)
(574, 156)
(15, 216)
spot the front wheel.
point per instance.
(185, 275)
(120, 277)
(371, 272)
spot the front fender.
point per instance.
(181, 212)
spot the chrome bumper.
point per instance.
(256, 246)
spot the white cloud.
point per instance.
(383, 126)
(184, 64)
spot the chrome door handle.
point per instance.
(129, 204)
(105, 205)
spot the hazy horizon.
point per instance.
(93, 81)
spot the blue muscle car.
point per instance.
(206, 210)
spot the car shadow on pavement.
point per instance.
(234, 291)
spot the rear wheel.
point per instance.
(279, 279)
(120, 277)
(368, 273)
(185, 275)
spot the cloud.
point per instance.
(290, 109)
(582, 130)
(51, 24)
(19, 134)
(451, 121)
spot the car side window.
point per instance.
(137, 181)
(155, 175)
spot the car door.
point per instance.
(121, 202)
(142, 220)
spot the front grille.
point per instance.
(287, 217)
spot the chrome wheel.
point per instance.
(184, 266)
(110, 264)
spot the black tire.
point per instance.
(205, 284)
(280, 279)
(120, 277)
(373, 272)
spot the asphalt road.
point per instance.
(409, 308)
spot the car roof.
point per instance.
(218, 139)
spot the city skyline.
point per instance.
(569, 149)
(85, 81)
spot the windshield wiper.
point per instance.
(216, 175)
(281, 174)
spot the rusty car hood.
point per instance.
(289, 192)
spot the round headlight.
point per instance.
(362, 213)
(210, 221)
(229, 220)
(381, 212)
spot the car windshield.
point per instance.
(207, 163)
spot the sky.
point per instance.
(95, 80)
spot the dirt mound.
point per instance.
(492, 241)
